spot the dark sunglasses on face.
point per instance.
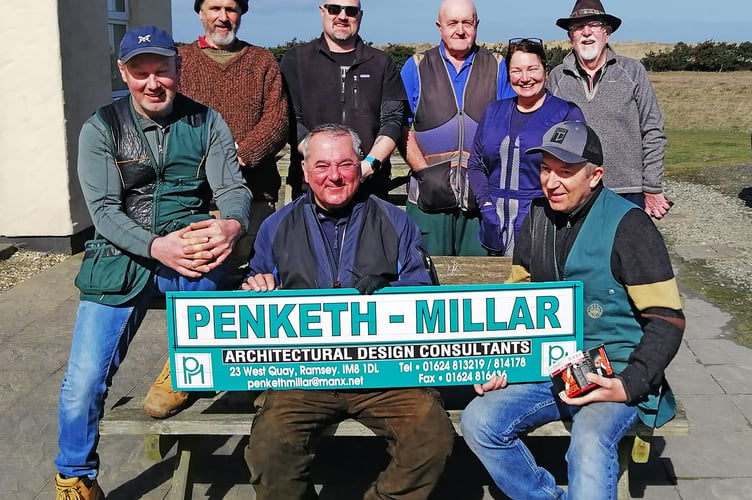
(334, 10)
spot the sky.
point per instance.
(273, 22)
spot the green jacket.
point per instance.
(143, 179)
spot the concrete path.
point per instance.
(711, 376)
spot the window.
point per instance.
(117, 25)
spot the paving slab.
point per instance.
(733, 378)
(720, 351)
(744, 403)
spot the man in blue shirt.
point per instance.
(448, 89)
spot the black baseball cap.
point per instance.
(571, 142)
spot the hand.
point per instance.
(369, 283)
(493, 384)
(656, 205)
(365, 170)
(259, 283)
(211, 240)
(170, 251)
(610, 389)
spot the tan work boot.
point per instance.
(77, 488)
(161, 401)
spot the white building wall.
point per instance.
(56, 72)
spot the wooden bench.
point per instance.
(231, 413)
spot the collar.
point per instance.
(359, 47)
(469, 60)
(203, 44)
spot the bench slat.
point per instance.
(230, 414)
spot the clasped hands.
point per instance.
(197, 248)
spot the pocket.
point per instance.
(105, 269)
(435, 191)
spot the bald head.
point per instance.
(455, 7)
(458, 23)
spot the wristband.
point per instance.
(375, 163)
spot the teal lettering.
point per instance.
(256, 323)
(198, 316)
(427, 321)
(491, 322)
(357, 317)
(454, 316)
(336, 309)
(280, 320)
(520, 314)
(307, 317)
(223, 317)
(467, 317)
(547, 307)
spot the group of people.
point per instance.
(561, 170)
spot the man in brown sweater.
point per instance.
(242, 82)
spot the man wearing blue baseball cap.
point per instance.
(149, 165)
(586, 232)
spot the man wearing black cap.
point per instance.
(149, 166)
(617, 99)
(584, 231)
(242, 82)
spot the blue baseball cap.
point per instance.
(146, 40)
(571, 142)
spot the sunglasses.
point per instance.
(517, 41)
(334, 10)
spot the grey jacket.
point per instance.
(624, 112)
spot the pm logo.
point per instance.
(194, 371)
(559, 135)
(552, 352)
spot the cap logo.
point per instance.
(145, 38)
(559, 135)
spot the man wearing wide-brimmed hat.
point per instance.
(618, 101)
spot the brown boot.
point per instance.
(77, 488)
(161, 401)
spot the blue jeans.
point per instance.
(100, 342)
(492, 424)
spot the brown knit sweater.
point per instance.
(247, 90)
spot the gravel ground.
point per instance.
(711, 227)
(25, 264)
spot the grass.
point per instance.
(708, 119)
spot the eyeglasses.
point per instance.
(334, 9)
(520, 41)
(593, 25)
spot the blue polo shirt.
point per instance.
(411, 80)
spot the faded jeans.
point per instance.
(100, 342)
(492, 424)
(289, 423)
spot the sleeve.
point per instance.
(411, 82)
(392, 102)
(391, 119)
(289, 69)
(477, 170)
(223, 173)
(262, 260)
(269, 135)
(416, 267)
(520, 272)
(102, 188)
(574, 113)
(653, 135)
(503, 88)
(646, 271)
